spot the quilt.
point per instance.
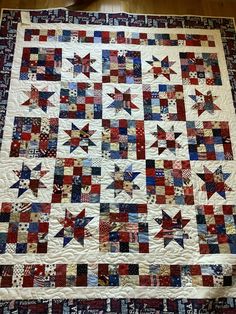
(118, 171)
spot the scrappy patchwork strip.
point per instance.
(100, 275)
(121, 37)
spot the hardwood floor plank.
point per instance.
(221, 8)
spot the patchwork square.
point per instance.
(76, 181)
(200, 68)
(163, 102)
(121, 66)
(123, 228)
(169, 182)
(34, 137)
(123, 139)
(209, 140)
(216, 227)
(81, 100)
(24, 228)
(41, 64)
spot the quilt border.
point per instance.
(120, 306)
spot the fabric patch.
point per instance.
(216, 226)
(166, 140)
(169, 182)
(24, 228)
(163, 102)
(123, 181)
(123, 228)
(215, 182)
(38, 99)
(161, 67)
(79, 137)
(41, 64)
(82, 65)
(200, 68)
(172, 228)
(29, 179)
(209, 140)
(81, 100)
(123, 139)
(74, 227)
(204, 102)
(121, 66)
(76, 181)
(34, 137)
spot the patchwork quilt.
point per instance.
(118, 171)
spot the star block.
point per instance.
(166, 140)
(214, 182)
(204, 102)
(122, 101)
(74, 227)
(82, 65)
(29, 179)
(161, 67)
(172, 228)
(38, 99)
(79, 137)
(123, 181)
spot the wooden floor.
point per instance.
(220, 8)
